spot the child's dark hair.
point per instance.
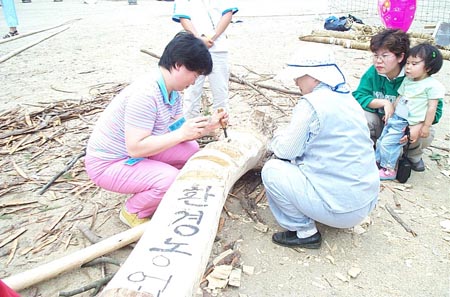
(187, 50)
(430, 55)
(394, 40)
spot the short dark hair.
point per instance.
(430, 55)
(187, 50)
(394, 40)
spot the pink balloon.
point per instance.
(397, 14)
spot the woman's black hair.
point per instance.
(189, 51)
(394, 40)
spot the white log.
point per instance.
(170, 258)
(54, 268)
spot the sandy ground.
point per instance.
(102, 48)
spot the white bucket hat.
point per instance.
(318, 62)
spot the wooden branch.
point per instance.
(286, 91)
(12, 237)
(347, 43)
(91, 236)
(441, 148)
(172, 255)
(18, 51)
(52, 269)
(252, 86)
(102, 260)
(68, 166)
(399, 220)
(351, 43)
(94, 285)
(21, 35)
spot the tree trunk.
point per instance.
(170, 258)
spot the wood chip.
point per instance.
(19, 170)
(261, 227)
(354, 272)
(249, 270)
(222, 256)
(330, 258)
(341, 277)
(222, 271)
(13, 251)
(235, 277)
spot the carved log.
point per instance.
(171, 256)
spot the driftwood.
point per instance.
(97, 285)
(347, 43)
(18, 51)
(68, 166)
(399, 220)
(361, 41)
(441, 148)
(249, 84)
(22, 35)
(52, 269)
(171, 256)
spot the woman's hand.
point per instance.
(209, 42)
(194, 128)
(219, 119)
(200, 126)
(414, 134)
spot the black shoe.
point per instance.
(418, 166)
(290, 239)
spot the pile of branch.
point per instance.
(31, 140)
(359, 38)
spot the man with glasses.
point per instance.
(378, 87)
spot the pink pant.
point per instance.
(148, 180)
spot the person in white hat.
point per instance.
(324, 168)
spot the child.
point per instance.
(415, 106)
(208, 20)
(141, 140)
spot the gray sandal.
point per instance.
(11, 34)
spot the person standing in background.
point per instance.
(9, 11)
(207, 20)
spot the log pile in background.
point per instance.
(359, 38)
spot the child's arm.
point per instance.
(225, 20)
(429, 118)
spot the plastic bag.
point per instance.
(338, 24)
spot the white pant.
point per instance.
(218, 82)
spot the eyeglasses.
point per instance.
(383, 57)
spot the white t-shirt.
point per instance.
(205, 15)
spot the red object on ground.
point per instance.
(6, 291)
